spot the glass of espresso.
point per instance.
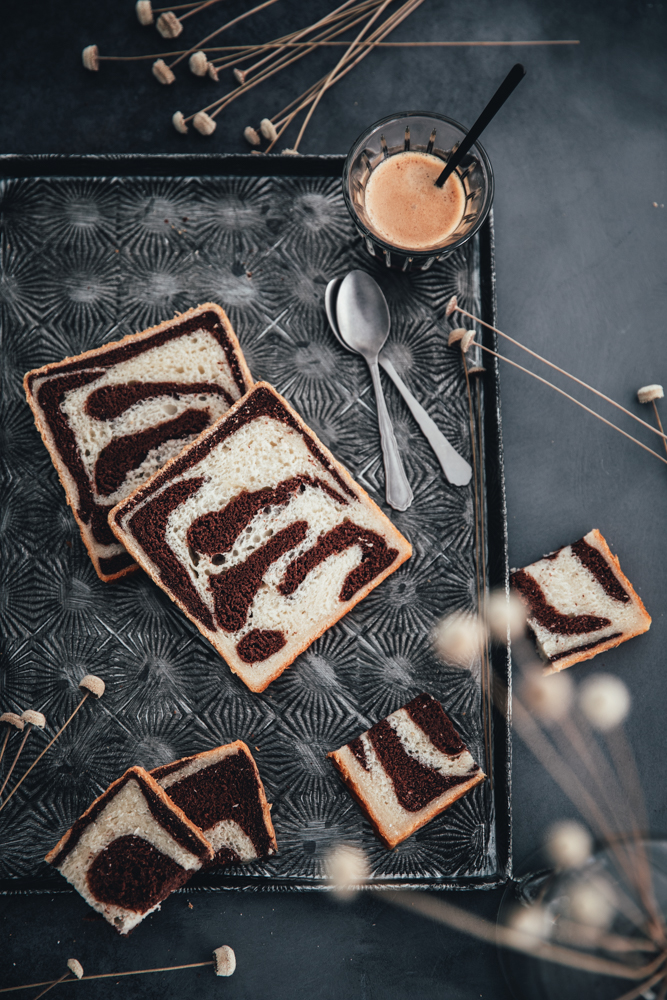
(389, 188)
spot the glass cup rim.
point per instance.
(434, 251)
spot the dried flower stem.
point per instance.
(487, 691)
(585, 385)
(107, 975)
(47, 747)
(341, 62)
(573, 400)
(15, 761)
(54, 983)
(380, 33)
(325, 21)
(458, 918)
(241, 17)
(182, 6)
(659, 422)
(638, 991)
(198, 8)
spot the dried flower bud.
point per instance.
(240, 75)
(347, 868)
(650, 392)
(168, 25)
(144, 11)
(213, 72)
(93, 684)
(533, 921)
(250, 135)
(204, 124)
(569, 844)
(452, 306)
(459, 639)
(91, 57)
(178, 121)
(162, 72)
(224, 960)
(476, 370)
(34, 718)
(605, 701)
(12, 719)
(456, 335)
(593, 902)
(268, 129)
(75, 967)
(467, 340)
(505, 613)
(290, 152)
(549, 698)
(198, 63)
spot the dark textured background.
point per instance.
(579, 157)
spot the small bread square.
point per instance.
(260, 536)
(579, 602)
(221, 791)
(407, 768)
(129, 850)
(112, 417)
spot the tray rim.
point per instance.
(57, 166)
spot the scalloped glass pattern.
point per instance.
(85, 261)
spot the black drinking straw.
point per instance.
(512, 80)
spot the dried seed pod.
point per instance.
(250, 135)
(456, 335)
(34, 718)
(168, 25)
(650, 392)
(12, 719)
(459, 639)
(452, 306)
(268, 129)
(468, 340)
(548, 698)
(347, 868)
(204, 123)
(569, 843)
(162, 72)
(91, 57)
(213, 72)
(604, 700)
(240, 75)
(198, 63)
(93, 684)
(290, 152)
(505, 615)
(178, 121)
(75, 967)
(144, 11)
(224, 960)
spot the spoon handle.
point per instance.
(457, 471)
(398, 492)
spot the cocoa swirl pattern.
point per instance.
(549, 617)
(131, 873)
(110, 401)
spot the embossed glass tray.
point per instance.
(96, 247)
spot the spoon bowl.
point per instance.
(362, 314)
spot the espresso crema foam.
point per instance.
(404, 206)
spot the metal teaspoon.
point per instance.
(457, 471)
(363, 321)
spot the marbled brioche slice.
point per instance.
(112, 417)
(260, 536)
(579, 602)
(407, 769)
(221, 791)
(130, 849)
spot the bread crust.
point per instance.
(398, 541)
(66, 479)
(578, 656)
(420, 819)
